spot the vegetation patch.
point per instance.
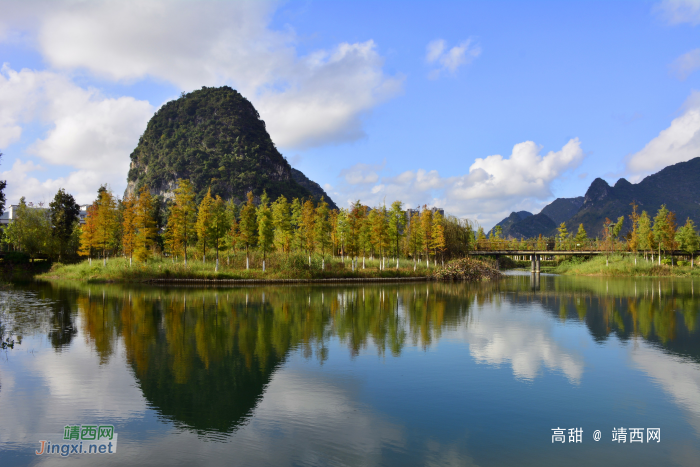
(466, 269)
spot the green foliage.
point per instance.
(213, 137)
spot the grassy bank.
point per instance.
(621, 265)
(295, 267)
(277, 267)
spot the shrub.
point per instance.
(466, 269)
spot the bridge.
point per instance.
(535, 255)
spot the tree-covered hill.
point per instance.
(215, 138)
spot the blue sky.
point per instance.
(479, 107)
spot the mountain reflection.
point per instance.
(203, 357)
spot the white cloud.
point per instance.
(82, 184)
(679, 11)
(87, 132)
(686, 64)
(306, 101)
(678, 143)
(495, 185)
(525, 342)
(449, 61)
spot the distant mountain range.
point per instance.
(677, 186)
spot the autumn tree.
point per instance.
(438, 235)
(219, 226)
(322, 227)
(203, 225)
(248, 227)
(106, 221)
(128, 226)
(88, 233)
(266, 229)
(282, 221)
(183, 217)
(145, 225)
(396, 225)
(426, 222)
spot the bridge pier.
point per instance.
(535, 264)
(532, 264)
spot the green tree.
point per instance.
(644, 232)
(128, 226)
(106, 221)
(266, 228)
(145, 225)
(322, 227)
(183, 217)
(219, 227)
(563, 235)
(248, 227)
(688, 239)
(64, 213)
(203, 226)
(282, 221)
(661, 230)
(581, 237)
(397, 224)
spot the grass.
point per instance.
(278, 266)
(620, 266)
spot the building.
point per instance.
(11, 213)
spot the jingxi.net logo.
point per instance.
(82, 439)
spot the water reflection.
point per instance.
(213, 361)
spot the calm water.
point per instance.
(410, 374)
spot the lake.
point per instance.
(393, 374)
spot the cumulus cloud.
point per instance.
(87, 131)
(448, 61)
(679, 142)
(686, 64)
(306, 101)
(679, 11)
(495, 185)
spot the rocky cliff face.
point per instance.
(215, 138)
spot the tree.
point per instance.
(563, 235)
(64, 213)
(480, 235)
(266, 229)
(397, 223)
(295, 222)
(644, 233)
(181, 222)
(356, 218)
(282, 221)
(231, 238)
(438, 234)
(306, 227)
(426, 222)
(88, 232)
(322, 227)
(105, 223)
(633, 240)
(415, 239)
(203, 225)
(248, 227)
(30, 231)
(661, 230)
(128, 226)
(688, 239)
(145, 225)
(219, 226)
(581, 237)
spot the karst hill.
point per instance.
(215, 138)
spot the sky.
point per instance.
(480, 108)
